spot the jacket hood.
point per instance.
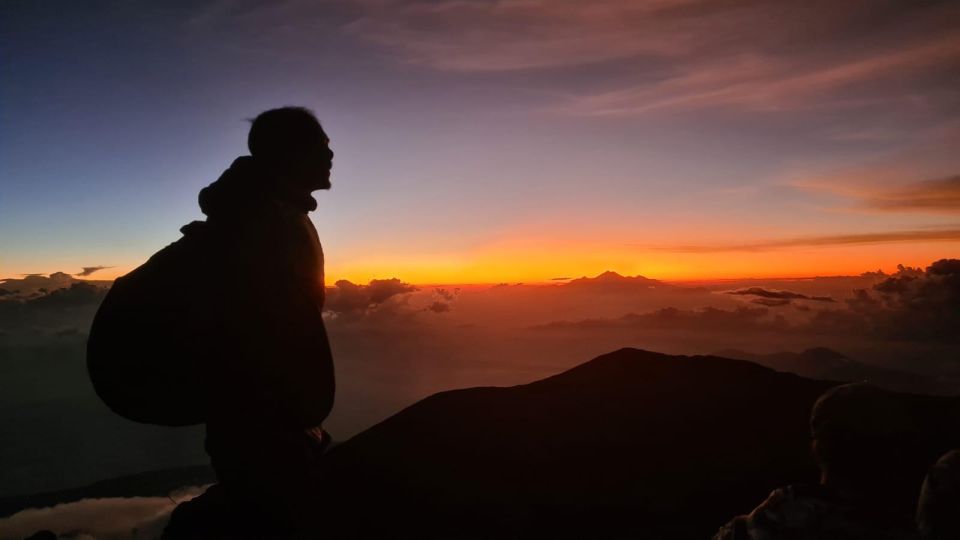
(247, 189)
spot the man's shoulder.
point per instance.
(275, 221)
(788, 508)
(794, 507)
(804, 512)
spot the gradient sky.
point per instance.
(486, 141)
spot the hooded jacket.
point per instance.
(270, 361)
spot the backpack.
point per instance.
(151, 338)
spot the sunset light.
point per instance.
(479, 269)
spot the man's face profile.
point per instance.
(313, 170)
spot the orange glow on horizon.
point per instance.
(540, 262)
(530, 265)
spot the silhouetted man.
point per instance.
(862, 441)
(271, 382)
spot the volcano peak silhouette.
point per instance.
(614, 281)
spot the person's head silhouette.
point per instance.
(290, 142)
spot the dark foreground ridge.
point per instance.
(632, 443)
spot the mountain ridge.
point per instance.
(630, 433)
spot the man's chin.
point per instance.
(321, 182)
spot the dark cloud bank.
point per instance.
(383, 298)
(772, 298)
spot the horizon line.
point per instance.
(538, 282)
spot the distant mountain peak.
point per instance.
(611, 278)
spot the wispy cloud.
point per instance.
(521, 34)
(761, 82)
(659, 54)
(938, 196)
(920, 177)
(891, 185)
(678, 53)
(890, 237)
(89, 270)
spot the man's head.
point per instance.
(290, 142)
(861, 435)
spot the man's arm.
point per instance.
(284, 367)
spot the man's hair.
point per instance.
(280, 134)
